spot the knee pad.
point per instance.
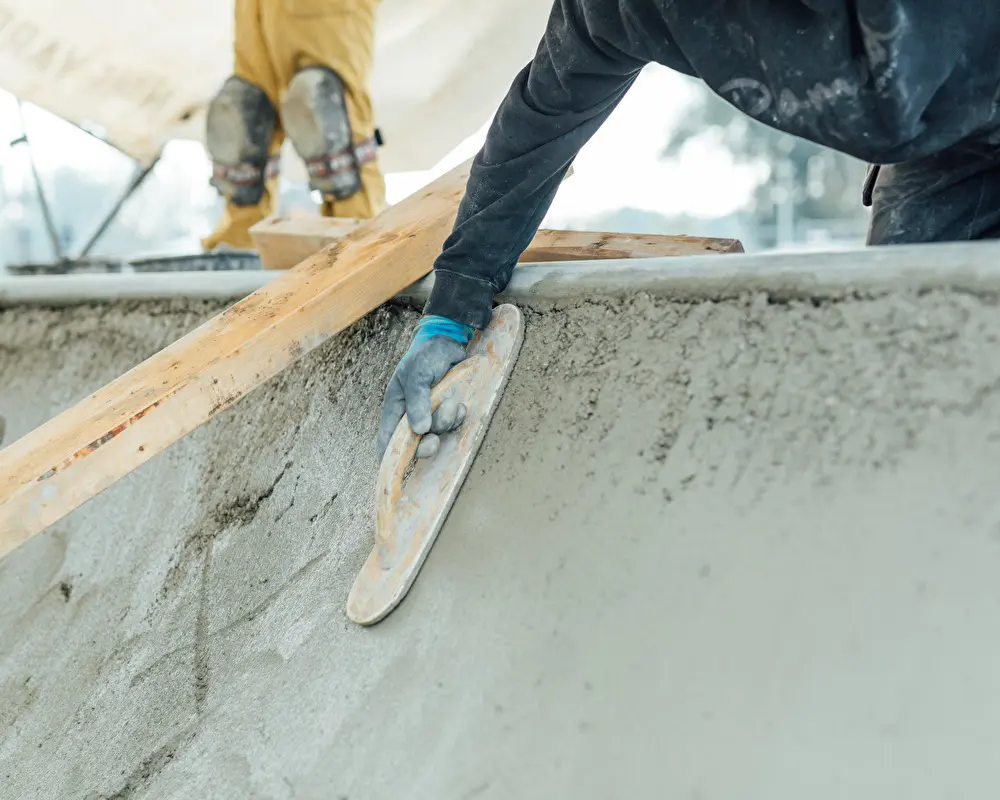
(314, 115)
(239, 127)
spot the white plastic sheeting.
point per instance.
(140, 72)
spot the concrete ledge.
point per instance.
(701, 543)
(68, 290)
(970, 266)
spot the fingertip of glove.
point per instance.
(421, 426)
(428, 446)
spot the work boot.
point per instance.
(233, 230)
(365, 204)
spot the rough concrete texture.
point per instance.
(718, 550)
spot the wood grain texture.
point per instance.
(283, 242)
(87, 448)
(551, 245)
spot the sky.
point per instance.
(621, 166)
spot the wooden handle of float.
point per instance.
(403, 445)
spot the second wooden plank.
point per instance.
(283, 242)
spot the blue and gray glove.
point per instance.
(438, 345)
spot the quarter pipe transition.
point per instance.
(739, 544)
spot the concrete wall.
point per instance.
(737, 549)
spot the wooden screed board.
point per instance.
(84, 450)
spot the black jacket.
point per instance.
(885, 81)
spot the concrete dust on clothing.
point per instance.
(730, 549)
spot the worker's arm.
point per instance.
(554, 106)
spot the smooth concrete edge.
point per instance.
(68, 290)
(968, 266)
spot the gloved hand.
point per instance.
(438, 345)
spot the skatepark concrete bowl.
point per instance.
(735, 541)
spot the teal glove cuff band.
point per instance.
(431, 326)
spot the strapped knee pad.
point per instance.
(239, 126)
(314, 115)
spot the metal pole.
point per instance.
(42, 202)
(138, 178)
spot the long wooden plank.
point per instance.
(283, 242)
(87, 448)
(550, 245)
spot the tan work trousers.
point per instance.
(274, 39)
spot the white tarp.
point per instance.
(142, 71)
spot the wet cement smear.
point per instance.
(707, 550)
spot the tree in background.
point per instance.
(806, 183)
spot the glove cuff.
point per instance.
(432, 325)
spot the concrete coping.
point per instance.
(966, 266)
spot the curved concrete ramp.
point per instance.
(736, 549)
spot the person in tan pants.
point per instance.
(301, 70)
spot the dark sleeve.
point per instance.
(554, 106)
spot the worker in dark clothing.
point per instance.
(912, 86)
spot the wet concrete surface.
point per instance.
(708, 550)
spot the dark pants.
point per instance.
(951, 196)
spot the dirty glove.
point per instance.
(438, 345)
